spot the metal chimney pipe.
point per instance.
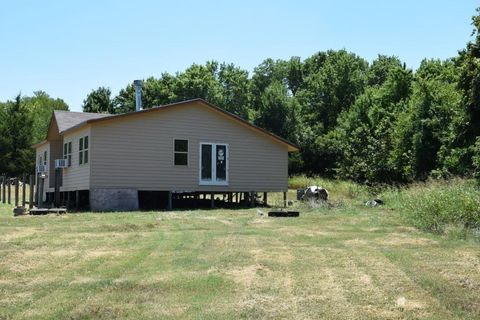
(138, 94)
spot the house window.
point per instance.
(83, 150)
(67, 152)
(213, 164)
(181, 152)
(45, 158)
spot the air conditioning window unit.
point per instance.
(61, 163)
(42, 168)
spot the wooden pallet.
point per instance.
(283, 213)
(41, 211)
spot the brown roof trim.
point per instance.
(38, 144)
(291, 146)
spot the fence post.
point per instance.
(9, 191)
(3, 189)
(252, 198)
(24, 189)
(16, 192)
(30, 195)
(37, 184)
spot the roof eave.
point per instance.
(290, 146)
(38, 144)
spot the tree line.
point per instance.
(377, 122)
(23, 122)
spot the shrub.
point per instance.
(338, 189)
(434, 205)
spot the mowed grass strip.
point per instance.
(346, 262)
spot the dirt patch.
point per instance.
(55, 253)
(18, 233)
(400, 239)
(355, 242)
(246, 275)
(103, 253)
(83, 280)
(279, 254)
(224, 221)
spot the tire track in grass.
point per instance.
(43, 298)
(108, 276)
(429, 277)
(42, 293)
(406, 297)
(115, 276)
(43, 288)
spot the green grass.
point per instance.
(439, 206)
(342, 262)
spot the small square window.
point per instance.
(181, 159)
(181, 145)
(181, 152)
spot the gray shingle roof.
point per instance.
(68, 119)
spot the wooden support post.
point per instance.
(67, 203)
(4, 191)
(24, 190)
(56, 199)
(41, 186)
(37, 186)
(16, 192)
(9, 191)
(252, 199)
(77, 200)
(30, 195)
(169, 205)
(284, 199)
(212, 200)
(265, 199)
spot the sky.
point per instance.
(69, 48)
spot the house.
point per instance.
(144, 158)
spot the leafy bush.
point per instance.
(338, 189)
(435, 205)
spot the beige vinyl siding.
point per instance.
(138, 151)
(56, 149)
(77, 177)
(39, 153)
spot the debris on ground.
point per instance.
(374, 203)
(19, 211)
(312, 193)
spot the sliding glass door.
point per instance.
(213, 164)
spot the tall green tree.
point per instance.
(99, 101)
(16, 155)
(40, 106)
(278, 112)
(365, 132)
(424, 128)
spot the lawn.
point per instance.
(345, 262)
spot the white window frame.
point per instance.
(188, 153)
(214, 181)
(81, 153)
(68, 155)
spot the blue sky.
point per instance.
(68, 48)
